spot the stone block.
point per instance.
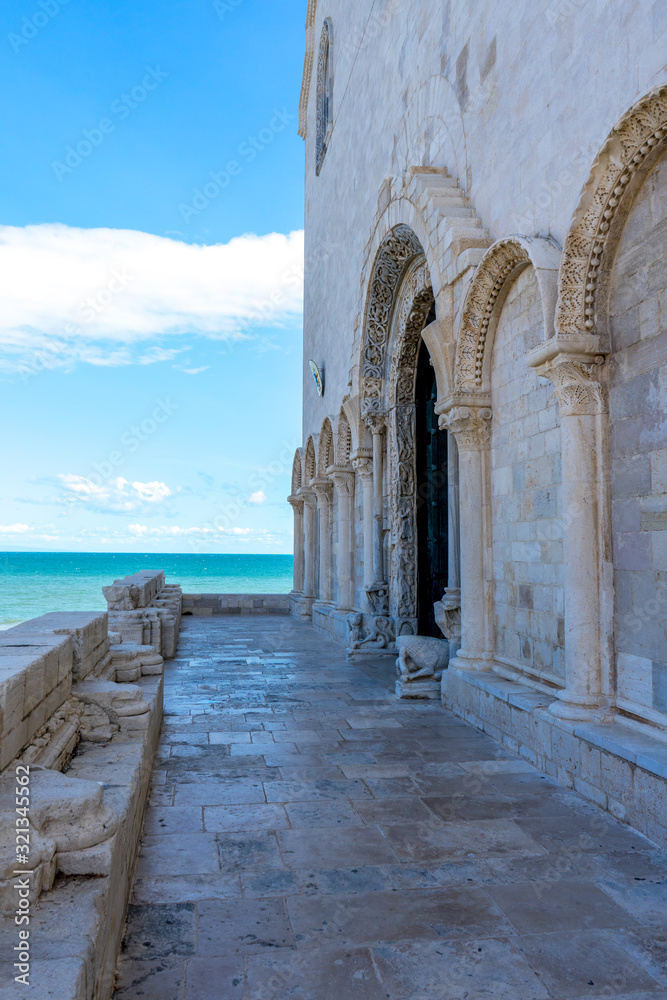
(659, 686)
(590, 792)
(634, 678)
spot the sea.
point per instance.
(34, 583)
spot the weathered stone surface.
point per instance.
(429, 861)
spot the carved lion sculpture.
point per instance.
(421, 657)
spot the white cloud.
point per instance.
(97, 295)
(115, 495)
(14, 529)
(259, 497)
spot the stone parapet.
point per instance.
(201, 605)
(83, 746)
(146, 611)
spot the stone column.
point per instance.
(471, 426)
(448, 610)
(343, 479)
(377, 592)
(582, 401)
(323, 488)
(296, 504)
(309, 540)
(362, 462)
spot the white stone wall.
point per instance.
(638, 410)
(525, 478)
(514, 100)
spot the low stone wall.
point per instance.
(621, 769)
(82, 741)
(235, 604)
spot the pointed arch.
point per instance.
(631, 150)
(499, 267)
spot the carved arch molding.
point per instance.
(400, 298)
(631, 150)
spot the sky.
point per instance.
(151, 271)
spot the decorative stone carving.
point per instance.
(378, 597)
(448, 614)
(324, 95)
(379, 638)
(471, 425)
(633, 144)
(501, 261)
(399, 248)
(325, 448)
(576, 385)
(421, 661)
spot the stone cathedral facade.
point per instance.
(486, 308)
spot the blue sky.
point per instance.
(151, 210)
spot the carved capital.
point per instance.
(375, 420)
(323, 488)
(471, 426)
(576, 384)
(364, 467)
(309, 499)
(296, 503)
(343, 479)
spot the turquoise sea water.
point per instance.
(34, 583)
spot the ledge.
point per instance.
(76, 928)
(620, 769)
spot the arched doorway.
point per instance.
(431, 462)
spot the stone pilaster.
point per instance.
(471, 427)
(309, 541)
(343, 480)
(376, 423)
(296, 504)
(323, 488)
(582, 403)
(363, 463)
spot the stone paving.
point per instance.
(310, 837)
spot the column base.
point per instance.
(301, 606)
(469, 661)
(573, 709)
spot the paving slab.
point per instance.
(312, 838)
